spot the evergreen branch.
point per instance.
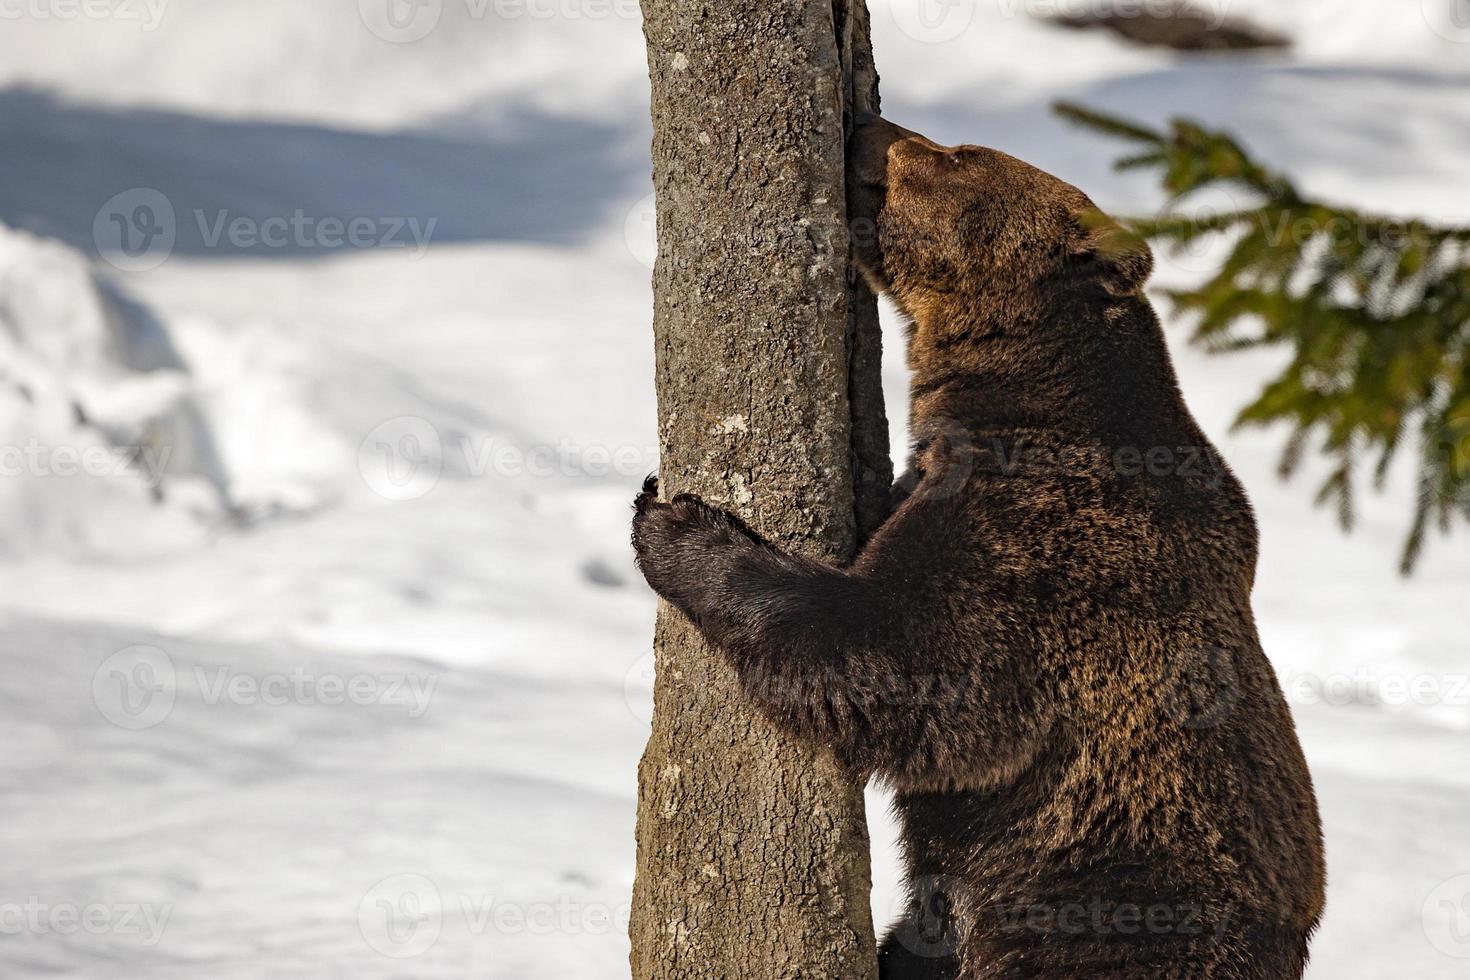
(1110, 125)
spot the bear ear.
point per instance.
(1120, 259)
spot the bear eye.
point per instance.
(955, 159)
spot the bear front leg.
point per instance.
(869, 660)
(723, 575)
(804, 637)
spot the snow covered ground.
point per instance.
(325, 381)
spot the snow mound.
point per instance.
(120, 434)
(97, 426)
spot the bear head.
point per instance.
(946, 229)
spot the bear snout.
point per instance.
(867, 155)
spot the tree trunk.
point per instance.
(752, 848)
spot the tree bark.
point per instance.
(752, 848)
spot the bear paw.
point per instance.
(677, 543)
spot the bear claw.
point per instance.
(649, 494)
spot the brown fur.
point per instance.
(1048, 650)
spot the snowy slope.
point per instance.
(413, 465)
(240, 837)
(349, 63)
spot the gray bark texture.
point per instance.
(752, 848)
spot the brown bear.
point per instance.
(1048, 650)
